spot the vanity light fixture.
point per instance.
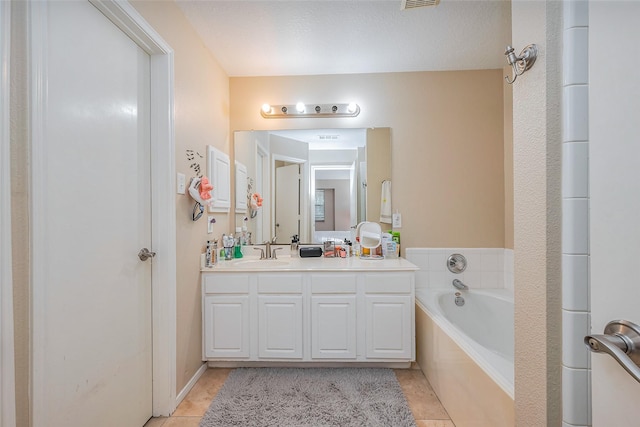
(300, 109)
(522, 62)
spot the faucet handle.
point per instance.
(261, 252)
(273, 253)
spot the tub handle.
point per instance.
(621, 340)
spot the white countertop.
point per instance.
(288, 263)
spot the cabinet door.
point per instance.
(333, 327)
(280, 326)
(226, 326)
(389, 329)
(220, 177)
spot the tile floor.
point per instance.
(424, 404)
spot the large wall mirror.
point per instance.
(316, 183)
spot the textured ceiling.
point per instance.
(306, 37)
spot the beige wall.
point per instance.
(201, 119)
(537, 216)
(446, 139)
(508, 162)
(379, 161)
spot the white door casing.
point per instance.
(614, 183)
(162, 208)
(7, 375)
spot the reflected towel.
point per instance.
(385, 202)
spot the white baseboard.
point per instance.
(187, 388)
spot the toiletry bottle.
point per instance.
(245, 239)
(208, 258)
(396, 238)
(356, 247)
(237, 250)
(228, 243)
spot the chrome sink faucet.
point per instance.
(459, 285)
(268, 253)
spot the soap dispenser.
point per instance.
(237, 252)
(295, 241)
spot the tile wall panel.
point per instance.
(576, 401)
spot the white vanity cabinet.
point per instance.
(296, 314)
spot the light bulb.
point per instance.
(266, 108)
(300, 107)
(352, 107)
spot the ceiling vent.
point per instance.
(412, 4)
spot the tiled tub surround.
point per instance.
(474, 383)
(576, 315)
(489, 268)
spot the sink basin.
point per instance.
(261, 263)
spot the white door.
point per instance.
(614, 107)
(92, 328)
(287, 203)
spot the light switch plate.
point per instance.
(396, 219)
(181, 182)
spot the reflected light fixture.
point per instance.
(271, 111)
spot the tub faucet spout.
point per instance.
(459, 285)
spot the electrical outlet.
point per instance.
(210, 222)
(396, 219)
(182, 183)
